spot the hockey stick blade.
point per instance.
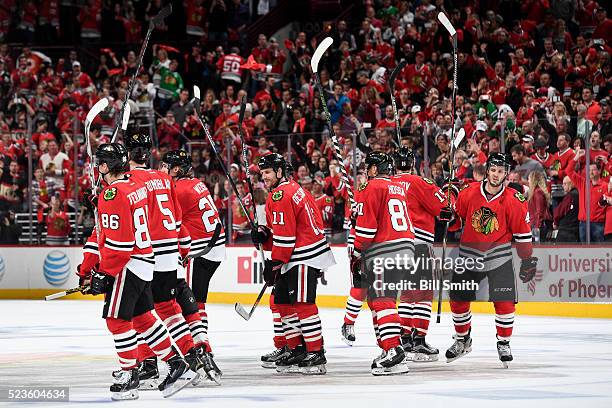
(447, 24)
(459, 138)
(210, 245)
(196, 92)
(395, 73)
(66, 292)
(95, 111)
(316, 57)
(126, 117)
(241, 311)
(163, 13)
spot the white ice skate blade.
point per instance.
(347, 341)
(187, 378)
(268, 364)
(466, 351)
(214, 376)
(315, 370)
(293, 369)
(401, 368)
(408, 356)
(505, 364)
(148, 385)
(424, 358)
(125, 395)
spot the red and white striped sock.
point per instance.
(310, 323)
(405, 313)
(291, 325)
(279, 330)
(155, 334)
(125, 338)
(462, 317)
(354, 303)
(504, 319)
(170, 313)
(388, 322)
(197, 329)
(421, 315)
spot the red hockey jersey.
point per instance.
(165, 215)
(425, 200)
(326, 205)
(297, 228)
(491, 224)
(200, 217)
(381, 216)
(124, 229)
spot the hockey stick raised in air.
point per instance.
(198, 110)
(242, 311)
(66, 292)
(453, 33)
(391, 84)
(213, 240)
(314, 64)
(158, 19)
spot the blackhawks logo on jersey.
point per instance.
(520, 197)
(110, 194)
(362, 186)
(277, 195)
(427, 180)
(484, 220)
(556, 165)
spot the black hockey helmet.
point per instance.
(498, 159)
(382, 161)
(115, 156)
(273, 161)
(403, 158)
(139, 145)
(178, 158)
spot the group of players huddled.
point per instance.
(159, 240)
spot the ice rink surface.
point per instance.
(559, 362)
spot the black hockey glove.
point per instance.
(90, 201)
(261, 235)
(271, 271)
(528, 269)
(447, 214)
(355, 265)
(453, 185)
(100, 282)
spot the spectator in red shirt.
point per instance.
(169, 132)
(539, 205)
(593, 110)
(58, 224)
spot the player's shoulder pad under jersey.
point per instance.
(427, 180)
(110, 193)
(519, 196)
(277, 195)
(363, 186)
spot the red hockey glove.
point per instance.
(528, 269)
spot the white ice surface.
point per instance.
(559, 362)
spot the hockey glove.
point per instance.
(355, 265)
(447, 214)
(100, 282)
(453, 185)
(528, 269)
(90, 200)
(84, 281)
(271, 271)
(261, 235)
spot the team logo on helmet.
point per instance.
(520, 197)
(277, 195)
(110, 194)
(485, 221)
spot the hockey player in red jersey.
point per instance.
(325, 204)
(493, 216)
(383, 230)
(166, 217)
(294, 234)
(201, 219)
(124, 277)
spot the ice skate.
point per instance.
(210, 367)
(289, 364)
(504, 351)
(407, 343)
(179, 376)
(148, 374)
(461, 346)
(348, 334)
(391, 362)
(125, 385)
(422, 351)
(313, 363)
(269, 360)
(196, 365)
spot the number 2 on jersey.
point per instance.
(207, 214)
